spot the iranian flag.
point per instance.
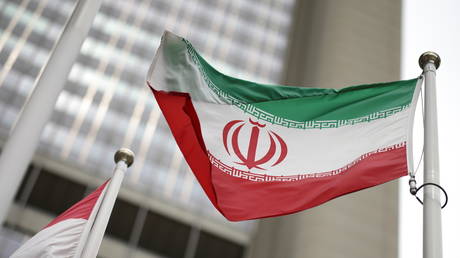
(266, 150)
(66, 235)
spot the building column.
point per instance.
(334, 44)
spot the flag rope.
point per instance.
(413, 173)
(412, 182)
(436, 185)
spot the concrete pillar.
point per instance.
(333, 44)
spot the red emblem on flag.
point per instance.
(250, 159)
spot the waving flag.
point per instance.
(264, 150)
(66, 235)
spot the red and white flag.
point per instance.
(66, 235)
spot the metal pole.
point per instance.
(23, 140)
(432, 235)
(123, 159)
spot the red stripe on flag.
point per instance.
(81, 209)
(242, 199)
(185, 127)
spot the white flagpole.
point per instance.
(123, 159)
(89, 224)
(432, 235)
(23, 140)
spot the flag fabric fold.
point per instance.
(267, 150)
(65, 236)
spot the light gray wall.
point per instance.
(336, 43)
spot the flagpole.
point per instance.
(432, 235)
(89, 224)
(123, 159)
(23, 140)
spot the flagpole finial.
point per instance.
(125, 155)
(429, 57)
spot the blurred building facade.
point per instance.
(161, 210)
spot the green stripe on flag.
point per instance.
(308, 104)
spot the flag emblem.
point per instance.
(251, 160)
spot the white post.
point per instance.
(23, 140)
(123, 159)
(432, 236)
